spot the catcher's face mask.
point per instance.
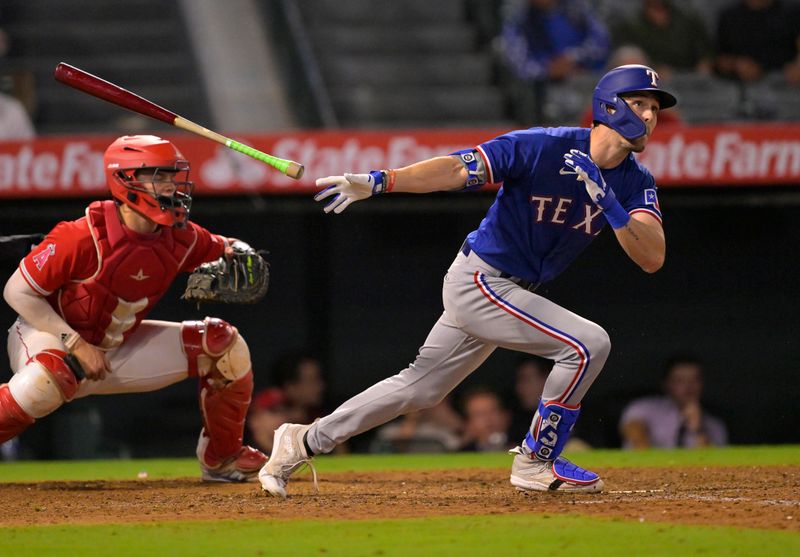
(150, 175)
(166, 193)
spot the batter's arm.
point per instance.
(436, 174)
(643, 240)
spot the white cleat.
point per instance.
(288, 455)
(272, 485)
(530, 474)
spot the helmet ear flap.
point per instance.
(621, 119)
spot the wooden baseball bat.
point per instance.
(102, 89)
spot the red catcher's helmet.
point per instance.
(130, 153)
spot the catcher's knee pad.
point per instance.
(214, 344)
(552, 429)
(44, 384)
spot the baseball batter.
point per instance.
(560, 187)
(82, 295)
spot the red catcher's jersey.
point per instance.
(103, 278)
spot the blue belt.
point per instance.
(521, 282)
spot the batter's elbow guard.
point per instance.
(475, 165)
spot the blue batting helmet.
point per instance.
(610, 109)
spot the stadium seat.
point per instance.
(705, 98)
(124, 45)
(772, 98)
(403, 64)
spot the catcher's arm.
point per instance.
(92, 362)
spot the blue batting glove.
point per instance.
(600, 193)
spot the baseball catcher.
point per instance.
(82, 295)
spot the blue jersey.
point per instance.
(543, 217)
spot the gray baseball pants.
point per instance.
(481, 312)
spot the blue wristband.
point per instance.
(379, 178)
(616, 216)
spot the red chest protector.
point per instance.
(134, 270)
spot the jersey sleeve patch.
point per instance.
(651, 198)
(639, 194)
(67, 253)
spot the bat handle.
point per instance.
(290, 168)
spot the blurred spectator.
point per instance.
(552, 40)
(15, 123)
(487, 421)
(434, 429)
(9, 450)
(673, 39)
(547, 41)
(676, 419)
(267, 412)
(755, 37)
(486, 16)
(622, 56)
(299, 376)
(529, 377)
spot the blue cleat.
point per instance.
(531, 474)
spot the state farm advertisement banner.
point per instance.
(72, 166)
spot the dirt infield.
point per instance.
(755, 497)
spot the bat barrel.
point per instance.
(102, 89)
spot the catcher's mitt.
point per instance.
(242, 279)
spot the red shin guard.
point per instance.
(13, 419)
(224, 411)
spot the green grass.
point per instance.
(490, 536)
(181, 468)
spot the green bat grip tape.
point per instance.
(275, 162)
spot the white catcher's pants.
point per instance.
(150, 359)
(481, 312)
